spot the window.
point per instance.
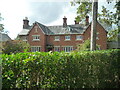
(35, 48)
(67, 48)
(97, 33)
(97, 38)
(79, 37)
(36, 37)
(57, 48)
(67, 38)
(57, 38)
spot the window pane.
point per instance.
(67, 37)
(57, 38)
(79, 37)
(68, 48)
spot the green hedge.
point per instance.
(86, 69)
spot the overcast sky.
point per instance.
(47, 12)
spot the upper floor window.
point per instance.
(97, 38)
(79, 37)
(67, 38)
(36, 37)
(57, 38)
(97, 33)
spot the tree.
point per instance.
(83, 9)
(86, 46)
(15, 46)
(107, 18)
(94, 25)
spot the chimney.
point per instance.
(25, 23)
(87, 20)
(76, 22)
(64, 22)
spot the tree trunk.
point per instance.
(94, 25)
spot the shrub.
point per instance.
(85, 69)
(86, 46)
(16, 46)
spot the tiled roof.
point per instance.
(58, 29)
(4, 37)
(24, 32)
(45, 29)
(70, 29)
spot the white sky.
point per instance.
(14, 11)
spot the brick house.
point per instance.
(60, 37)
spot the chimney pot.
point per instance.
(25, 23)
(87, 20)
(76, 22)
(64, 22)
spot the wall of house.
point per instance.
(72, 42)
(42, 42)
(50, 39)
(101, 34)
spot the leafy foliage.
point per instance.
(106, 17)
(10, 47)
(86, 46)
(113, 35)
(83, 9)
(86, 69)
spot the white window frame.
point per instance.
(79, 37)
(67, 48)
(57, 48)
(98, 33)
(67, 38)
(35, 48)
(57, 38)
(97, 38)
(36, 37)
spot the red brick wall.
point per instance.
(50, 39)
(42, 41)
(73, 42)
(102, 36)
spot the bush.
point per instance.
(15, 46)
(86, 46)
(86, 69)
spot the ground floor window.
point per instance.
(67, 48)
(57, 48)
(35, 48)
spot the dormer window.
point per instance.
(67, 38)
(36, 37)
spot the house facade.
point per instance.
(60, 37)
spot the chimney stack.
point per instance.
(76, 22)
(87, 20)
(64, 22)
(25, 23)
